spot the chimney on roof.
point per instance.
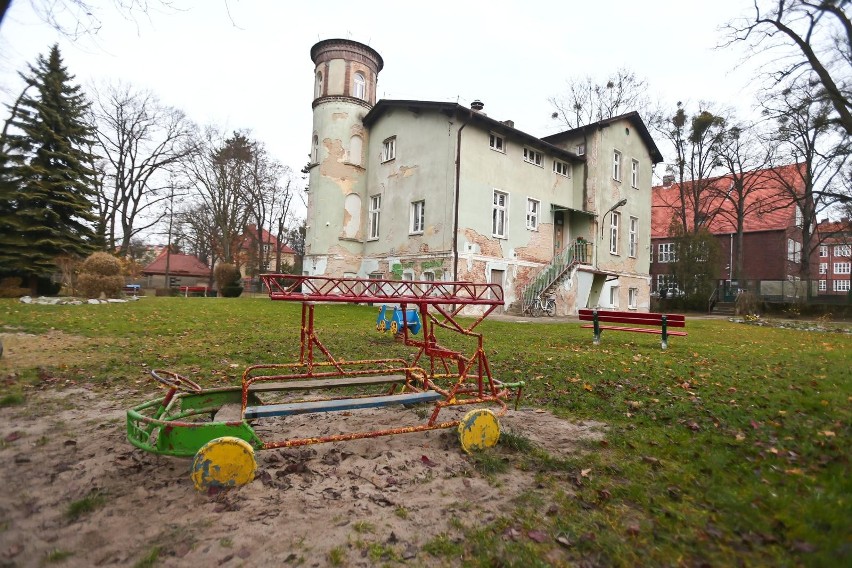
(477, 105)
(668, 180)
(509, 123)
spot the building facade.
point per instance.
(772, 242)
(424, 190)
(835, 258)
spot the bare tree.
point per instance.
(219, 174)
(695, 141)
(810, 38)
(587, 101)
(749, 189)
(270, 202)
(77, 18)
(808, 138)
(142, 142)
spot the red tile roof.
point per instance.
(179, 265)
(768, 204)
(265, 237)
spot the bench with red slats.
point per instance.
(661, 321)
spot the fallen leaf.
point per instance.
(585, 472)
(588, 387)
(828, 434)
(633, 529)
(427, 462)
(538, 536)
(511, 533)
(564, 541)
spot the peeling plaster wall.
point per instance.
(423, 170)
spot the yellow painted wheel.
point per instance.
(394, 328)
(380, 327)
(479, 429)
(223, 462)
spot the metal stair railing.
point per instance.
(577, 253)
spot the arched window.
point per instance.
(360, 86)
(318, 86)
(355, 150)
(315, 150)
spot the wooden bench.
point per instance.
(289, 409)
(310, 384)
(663, 321)
(132, 289)
(187, 290)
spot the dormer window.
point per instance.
(359, 90)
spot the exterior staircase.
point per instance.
(725, 309)
(580, 252)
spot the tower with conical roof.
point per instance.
(345, 77)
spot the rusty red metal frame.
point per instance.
(461, 379)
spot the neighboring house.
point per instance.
(835, 258)
(423, 190)
(259, 252)
(772, 237)
(183, 270)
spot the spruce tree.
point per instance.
(46, 179)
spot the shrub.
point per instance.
(228, 280)
(100, 274)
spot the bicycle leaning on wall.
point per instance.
(541, 305)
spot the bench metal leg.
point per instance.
(597, 328)
(597, 338)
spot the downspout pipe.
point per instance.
(456, 200)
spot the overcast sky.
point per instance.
(245, 64)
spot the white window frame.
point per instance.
(823, 268)
(841, 285)
(666, 252)
(497, 143)
(375, 211)
(633, 241)
(822, 286)
(500, 214)
(533, 157)
(614, 221)
(359, 88)
(389, 149)
(616, 165)
(613, 296)
(634, 173)
(823, 250)
(632, 298)
(533, 211)
(842, 267)
(842, 250)
(561, 168)
(794, 250)
(799, 217)
(417, 217)
(581, 149)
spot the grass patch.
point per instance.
(150, 559)
(730, 447)
(56, 556)
(12, 399)
(87, 504)
(336, 556)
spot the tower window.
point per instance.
(318, 85)
(359, 90)
(315, 150)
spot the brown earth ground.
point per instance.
(362, 502)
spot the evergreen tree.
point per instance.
(46, 179)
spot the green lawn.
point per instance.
(732, 447)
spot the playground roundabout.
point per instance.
(68, 446)
(360, 461)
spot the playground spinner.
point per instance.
(193, 422)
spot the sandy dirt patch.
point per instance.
(396, 492)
